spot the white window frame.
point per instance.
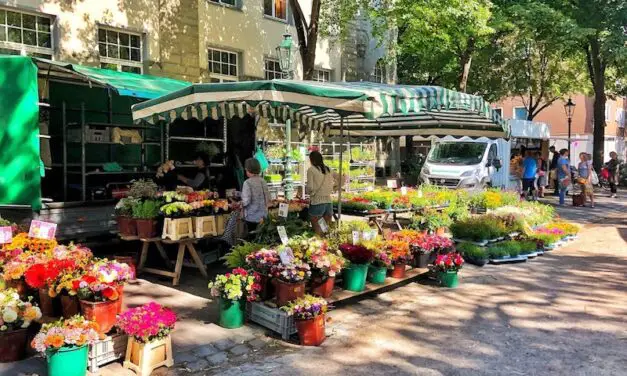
(608, 112)
(117, 61)
(378, 73)
(319, 71)
(25, 49)
(514, 112)
(273, 15)
(222, 3)
(499, 109)
(220, 77)
(276, 74)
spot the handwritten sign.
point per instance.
(6, 234)
(366, 235)
(283, 210)
(323, 225)
(355, 237)
(392, 184)
(282, 234)
(287, 256)
(404, 191)
(42, 230)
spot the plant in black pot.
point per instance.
(145, 214)
(473, 254)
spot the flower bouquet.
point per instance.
(42, 276)
(15, 316)
(232, 288)
(65, 344)
(399, 254)
(309, 313)
(447, 266)
(149, 344)
(28, 244)
(410, 236)
(263, 261)
(13, 271)
(359, 257)
(377, 270)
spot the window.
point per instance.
(620, 117)
(230, 3)
(275, 9)
(608, 112)
(520, 113)
(322, 75)
(120, 51)
(222, 65)
(498, 111)
(25, 33)
(273, 69)
(492, 153)
(378, 75)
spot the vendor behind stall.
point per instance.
(202, 179)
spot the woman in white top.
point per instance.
(320, 185)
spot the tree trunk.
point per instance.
(596, 70)
(464, 62)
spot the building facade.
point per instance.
(192, 40)
(582, 122)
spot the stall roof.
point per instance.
(124, 83)
(529, 129)
(367, 108)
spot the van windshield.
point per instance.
(467, 153)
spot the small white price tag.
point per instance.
(323, 225)
(370, 188)
(355, 237)
(392, 183)
(366, 235)
(286, 256)
(6, 234)
(273, 195)
(404, 191)
(42, 230)
(420, 193)
(283, 210)
(282, 234)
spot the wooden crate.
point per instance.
(272, 318)
(105, 351)
(221, 221)
(177, 228)
(205, 226)
(143, 358)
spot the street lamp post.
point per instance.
(285, 52)
(569, 108)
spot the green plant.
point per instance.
(495, 253)
(176, 210)
(527, 246)
(431, 220)
(510, 247)
(237, 257)
(4, 222)
(267, 232)
(479, 228)
(143, 188)
(124, 207)
(273, 178)
(210, 149)
(472, 251)
(147, 209)
(276, 151)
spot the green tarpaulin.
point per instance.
(20, 175)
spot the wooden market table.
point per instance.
(183, 245)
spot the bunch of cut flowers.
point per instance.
(381, 259)
(16, 313)
(73, 332)
(297, 271)
(433, 243)
(398, 251)
(236, 285)
(41, 275)
(306, 308)
(263, 261)
(452, 261)
(102, 280)
(410, 236)
(147, 323)
(28, 244)
(357, 253)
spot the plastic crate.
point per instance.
(271, 318)
(110, 349)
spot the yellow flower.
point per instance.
(32, 313)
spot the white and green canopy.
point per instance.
(367, 109)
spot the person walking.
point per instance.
(612, 167)
(563, 175)
(530, 169)
(542, 174)
(320, 185)
(553, 170)
(255, 195)
(584, 169)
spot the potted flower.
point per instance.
(233, 289)
(124, 216)
(64, 288)
(447, 266)
(262, 263)
(426, 249)
(145, 213)
(324, 264)
(359, 257)
(41, 276)
(16, 315)
(149, 344)
(178, 222)
(378, 269)
(290, 281)
(309, 315)
(65, 343)
(432, 221)
(13, 271)
(399, 254)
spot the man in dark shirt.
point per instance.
(553, 169)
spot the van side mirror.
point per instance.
(497, 164)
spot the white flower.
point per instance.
(3, 328)
(26, 324)
(9, 315)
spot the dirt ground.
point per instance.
(564, 313)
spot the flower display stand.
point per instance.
(177, 228)
(205, 226)
(143, 358)
(110, 349)
(272, 318)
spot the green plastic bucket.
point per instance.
(231, 313)
(449, 279)
(377, 274)
(68, 361)
(355, 277)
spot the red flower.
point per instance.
(36, 276)
(110, 293)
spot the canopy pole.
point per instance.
(341, 183)
(288, 186)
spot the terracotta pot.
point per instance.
(311, 332)
(287, 292)
(267, 288)
(398, 271)
(146, 228)
(13, 345)
(130, 261)
(45, 303)
(322, 288)
(101, 312)
(69, 306)
(20, 286)
(126, 226)
(120, 300)
(440, 231)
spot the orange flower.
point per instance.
(110, 293)
(81, 340)
(55, 340)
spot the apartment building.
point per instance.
(193, 40)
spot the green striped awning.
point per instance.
(366, 106)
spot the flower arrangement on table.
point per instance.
(401, 202)
(202, 207)
(306, 308)
(38, 276)
(79, 254)
(398, 251)
(263, 261)
(568, 229)
(102, 281)
(27, 244)
(176, 209)
(356, 254)
(75, 332)
(236, 285)
(147, 323)
(315, 252)
(449, 262)
(381, 259)
(296, 272)
(433, 243)
(410, 236)
(173, 196)
(16, 313)
(15, 269)
(203, 195)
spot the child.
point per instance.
(255, 195)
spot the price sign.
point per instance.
(392, 184)
(323, 225)
(366, 235)
(283, 209)
(42, 230)
(404, 191)
(282, 234)
(355, 237)
(286, 256)
(273, 195)
(6, 234)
